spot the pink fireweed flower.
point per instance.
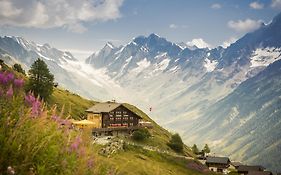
(75, 144)
(90, 163)
(3, 79)
(36, 108)
(34, 103)
(54, 117)
(18, 83)
(10, 76)
(29, 99)
(10, 92)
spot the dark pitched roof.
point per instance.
(220, 160)
(236, 164)
(259, 173)
(107, 107)
(249, 168)
(103, 107)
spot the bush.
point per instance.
(18, 68)
(141, 134)
(176, 143)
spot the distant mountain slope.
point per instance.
(246, 124)
(160, 73)
(68, 71)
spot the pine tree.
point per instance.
(41, 81)
(206, 149)
(195, 149)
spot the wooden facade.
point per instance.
(112, 118)
(119, 117)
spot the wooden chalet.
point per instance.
(246, 169)
(112, 118)
(218, 164)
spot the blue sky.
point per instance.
(83, 27)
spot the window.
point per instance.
(131, 118)
(125, 118)
(118, 112)
(126, 115)
(124, 112)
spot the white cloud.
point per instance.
(228, 42)
(198, 42)
(276, 4)
(69, 14)
(247, 25)
(173, 26)
(256, 5)
(216, 6)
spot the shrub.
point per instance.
(176, 143)
(141, 134)
(18, 68)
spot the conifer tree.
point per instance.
(41, 81)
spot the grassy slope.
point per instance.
(74, 105)
(134, 160)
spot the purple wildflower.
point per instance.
(90, 163)
(36, 107)
(54, 117)
(75, 144)
(10, 76)
(10, 92)
(29, 99)
(34, 103)
(3, 79)
(18, 83)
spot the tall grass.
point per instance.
(34, 140)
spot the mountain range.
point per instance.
(226, 97)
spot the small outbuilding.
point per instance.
(246, 169)
(218, 164)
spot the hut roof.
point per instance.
(103, 107)
(249, 168)
(219, 160)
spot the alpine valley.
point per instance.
(228, 97)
